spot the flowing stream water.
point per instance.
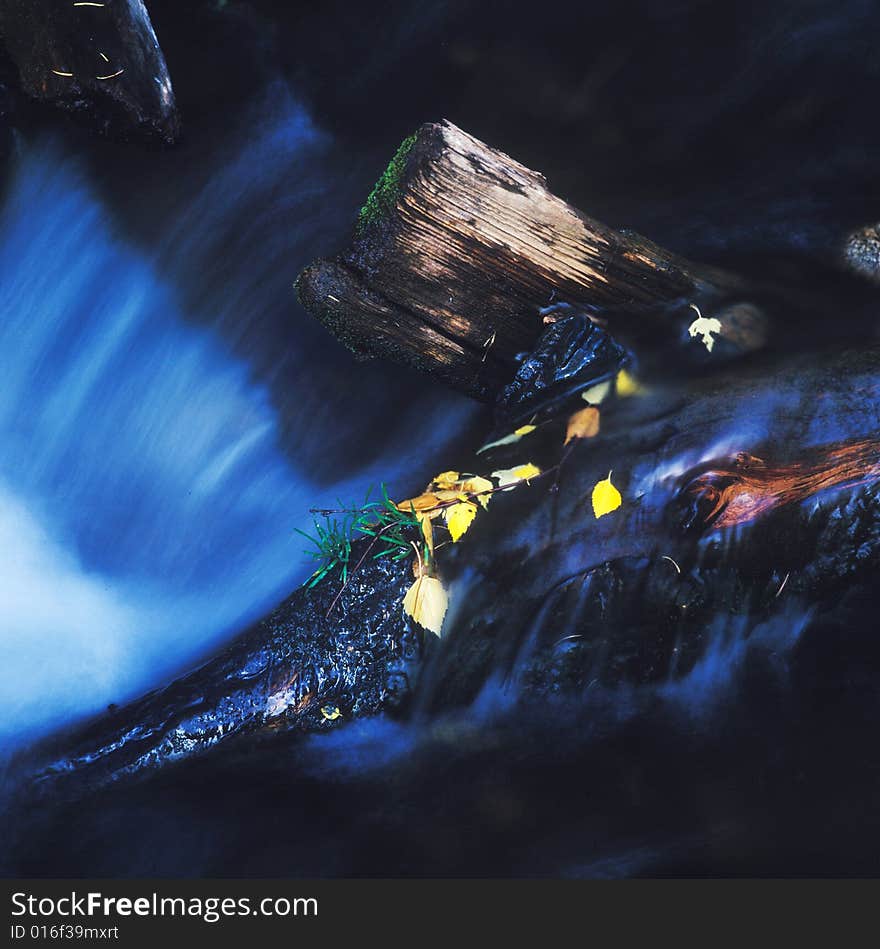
(149, 490)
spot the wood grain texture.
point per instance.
(726, 492)
(465, 248)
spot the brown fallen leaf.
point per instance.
(583, 424)
(424, 502)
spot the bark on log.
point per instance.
(100, 59)
(633, 591)
(459, 246)
(297, 669)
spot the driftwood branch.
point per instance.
(459, 247)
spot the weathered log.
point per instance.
(459, 247)
(297, 669)
(98, 59)
(622, 599)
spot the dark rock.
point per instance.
(572, 354)
(100, 60)
(861, 252)
(544, 595)
(299, 669)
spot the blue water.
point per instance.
(147, 503)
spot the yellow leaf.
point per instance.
(507, 477)
(627, 385)
(330, 713)
(462, 490)
(426, 602)
(595, 394)
(526, 471)
(583, 424)
(511, 439)
(606, 498)
(446, 479)
(478, 486)
(427, 531)
(459, 518)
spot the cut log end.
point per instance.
(459, 246)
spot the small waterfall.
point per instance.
(148, 496)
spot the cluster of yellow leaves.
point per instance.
(469, 491)
(454, 498)
(457, 499)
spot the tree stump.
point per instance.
(458, 248)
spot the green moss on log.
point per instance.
(386, 191)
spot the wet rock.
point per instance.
(571, 355)
(861, 252)
(546, 599)
(299, 669)
(97, 60)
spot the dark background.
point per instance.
(743, 134)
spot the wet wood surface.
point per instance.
(460, 246)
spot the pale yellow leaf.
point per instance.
(606, 498)
(583, 424)
(330, 712)
(446, 479)
(510, 439)
(704, 327)
(508, 477)
(426, 602)
(596, 394)
(459, 518)
(481, 487)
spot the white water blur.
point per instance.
(147, 509)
